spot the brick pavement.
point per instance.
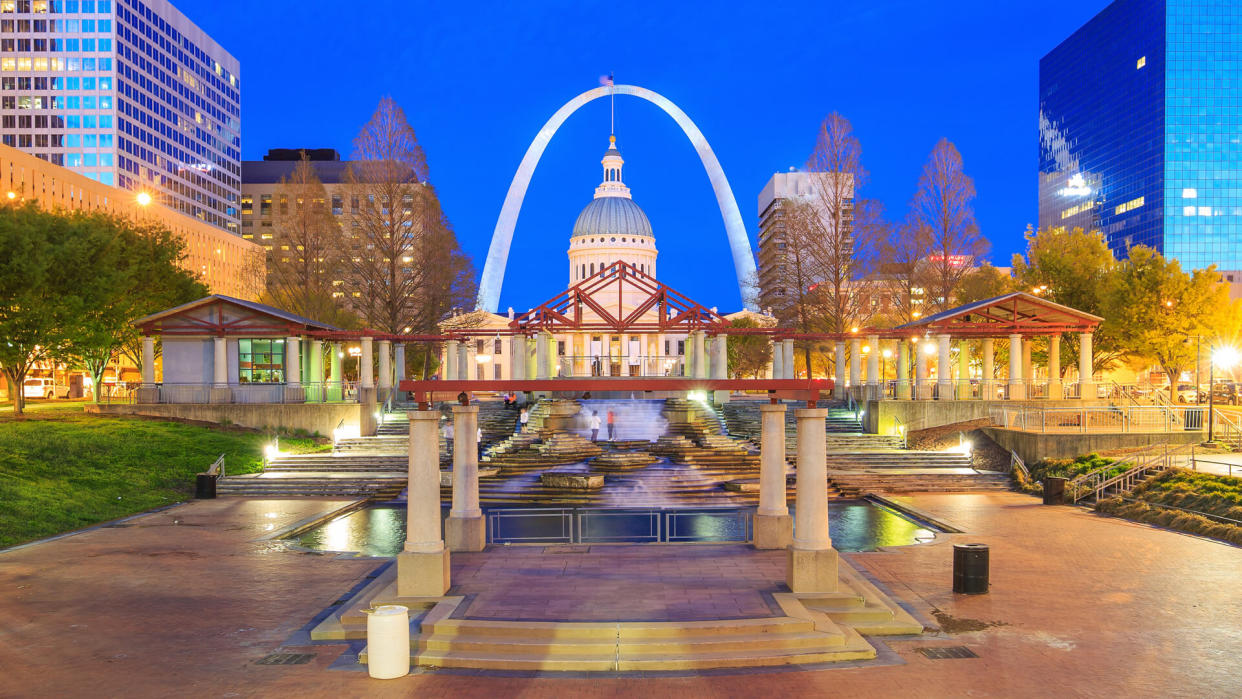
(184, 601)
(618, 583)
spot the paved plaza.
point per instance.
(184, 601)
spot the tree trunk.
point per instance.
(15, 390)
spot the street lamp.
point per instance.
(1226, 358)
(143, 199)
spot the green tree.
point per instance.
(70, 284)
(1073, 268)
(983, 282)
(748, 354)
(1158, 309)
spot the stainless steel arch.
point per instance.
(502, 237)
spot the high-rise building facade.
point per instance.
(783, 187)
(1140, 130)
(130, 94)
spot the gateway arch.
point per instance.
(502, 237)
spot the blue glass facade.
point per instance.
(129, 93)
(1139, 115)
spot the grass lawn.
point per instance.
(61, 469)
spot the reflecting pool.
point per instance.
(856, 525)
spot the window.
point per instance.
(681, 348)
(1190, 193)
(495, 371)
(1142, 61)
(1128, 206)
(478, 347)
(265, 205)
(261, 361)
(560, 348)
(496, 346)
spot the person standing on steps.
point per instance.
(523, 418)
(595, 426)
(612, 425)
(479, 440)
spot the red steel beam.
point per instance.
(798, 389)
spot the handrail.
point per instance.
(901, 431)
(216, 468)
(1016, 461)
(1227, 425)
(1096, 482)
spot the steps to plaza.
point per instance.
(808, 629)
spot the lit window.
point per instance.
(1205, 211)
(1190, 193)
(1188, 211)
(1142, 61)
(1128, 206)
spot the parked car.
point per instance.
(1224, 393)
(1186, 393)
(43, 388)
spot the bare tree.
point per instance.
(841, 246)
(304, 259)
(942, 204)
(403, 264)
(901, 275)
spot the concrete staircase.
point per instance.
(898, 459)
(913, 480)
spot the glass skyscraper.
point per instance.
(131, 94)
(1140, 129)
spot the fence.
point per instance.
(1112, 419)
(557, 525)
(1145, 463)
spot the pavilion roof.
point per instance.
(1014, 313)
(244, 318)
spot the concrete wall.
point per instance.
(922, 414)
(321, 418)
(1033, 446)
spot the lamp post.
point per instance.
(1227, 358)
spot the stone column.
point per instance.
(464, 372)
(423, 565)
(541, 355)
(368, 421)
(855, 363)
(720, 365)
(399, 364)
(787, 349)
(987, 383)
(944, 367)
(963, 369)
(1028, 370)
(464, 528)
(922, 390)
(517, 357)
(1055, 390)
(838, 386)
(1017, 390)
(293, 393)
(1086, 390)
(385, 371)
(778, 360)
(219, 391)
(316, 392)
(903, 370)
(450, 360)
(700, 354)
(811, 564)
(336, 368)
(773, 527)
(148, 360)
(874, 390)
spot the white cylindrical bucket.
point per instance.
(388, 641)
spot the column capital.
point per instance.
(770, 408)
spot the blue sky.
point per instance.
(478, 81)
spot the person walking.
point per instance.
(479, 441)
(448, 437)
(523, 418)
(595, 426)
(612, 425)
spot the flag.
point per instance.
(605, 79)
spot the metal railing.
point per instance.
(1226, 428)
(571, 366)
(1017, 464)
(571, 525)
(1146, 463)
(1112, 419)
(900, 428)
(216, 468)
(1230, 466)
(250, 393)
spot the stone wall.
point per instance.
(881, 416)
(1033, 446)
(312, 417)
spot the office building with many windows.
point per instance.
(1140, 130)
(781, 188)
(129, 93)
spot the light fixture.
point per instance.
(929, 348)
(143, 198)
(886, 353)
(1226, 357)
(12, 195)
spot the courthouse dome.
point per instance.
(612, 216)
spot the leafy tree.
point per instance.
(1158, 309)
(1073, 268)
(983, 282)
(748, 354)
(71, 283)
(942, 205)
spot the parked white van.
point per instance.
(43, 388)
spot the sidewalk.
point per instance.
(183, 602)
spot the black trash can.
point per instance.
(205, 486)
(1054, 490)
(970, 569)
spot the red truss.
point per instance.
(675, 311)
